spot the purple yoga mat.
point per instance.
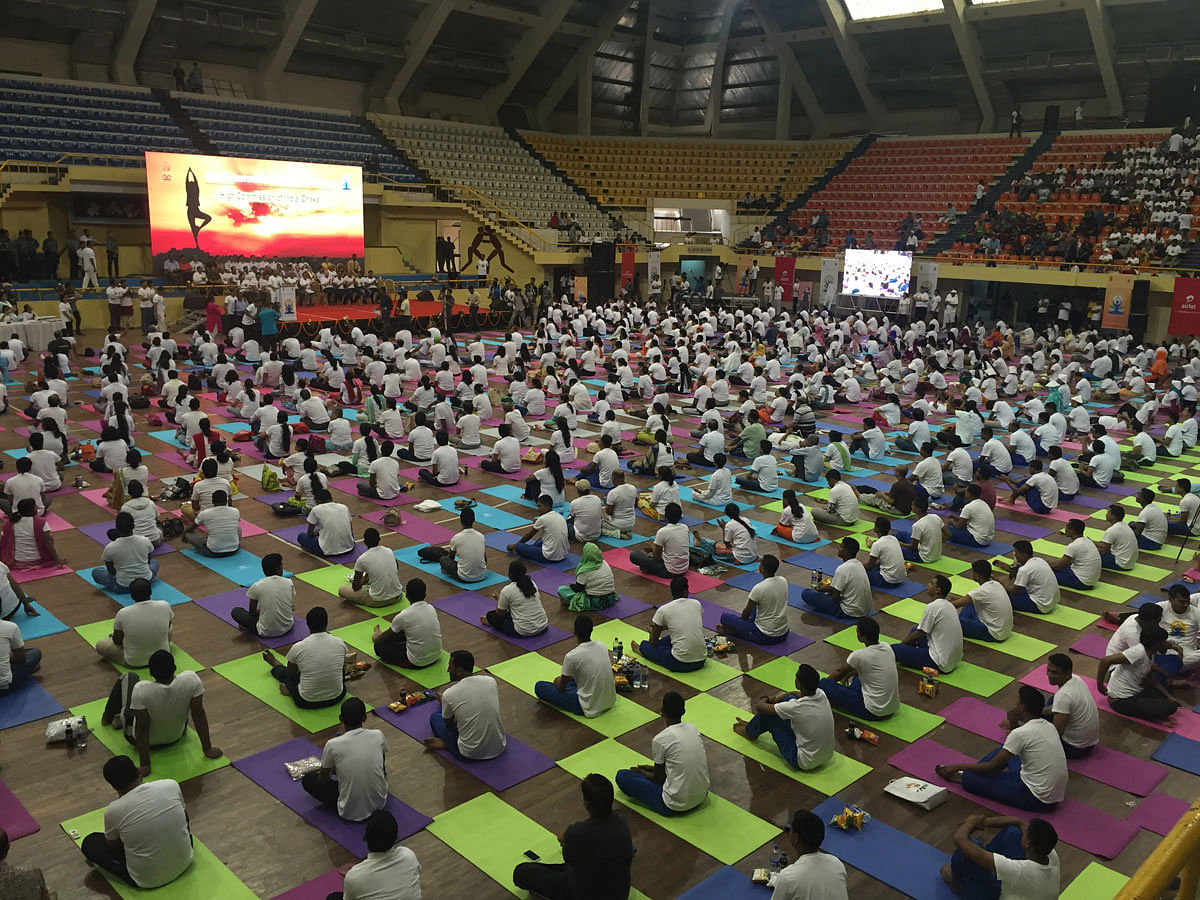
(710, 616)
(277, 496)
(99, 534)
(350, 486)
(519, 762)
(266, 770)
(221, 606)
(1030, 532)
(317, 889)
(291, 533)
(550, 580)
(470, 606)
(1108, 766)
(1092, 502)
(1093, 645)
(421, 529)
(476, 462)
(1091, 830)
(15, 818)
(1158, 813)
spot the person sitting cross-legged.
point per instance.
(765, 618)
(138, 629)
(272, 601)
(678, 781)
(986, 612)
(848, 593)
(1040, 490)
(1128, 680)
(1031, 584)
(376, 579)
(1072, 709)
(1029, 771)
(814, 873)
(937, 640)
(314, 674)
(885, 564)
(519, 611)
(1020, 861)
(414, 639)
(468, 724)
(547, 540)
(216, 530)
(800, 722)
(353, 775)
(330, 527)
(920, 541)
(126, 558)
(975, 524)
(586, 686)
(390, 870)
(1079, 565)
(682, 648)
(867, 685)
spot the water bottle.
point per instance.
(616, 650)
(620, 649)
(776, 855)
(83, 732)
(70, 734)
(816, 579)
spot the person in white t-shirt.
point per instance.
(765, 618)
(676, 632)
(414, 638)
(800, 722)
(586, 686)
(1031, 584)
(1130, 682)
(848, 593)
(390, 870)
(271, 599)
(937, 640)
(443, 471)
(464, 558)
(677, 781)
(547, 541)
(1151, 525)
(1079, 565)
(867, 685)
(376, 579)
(1119, 546)
(314, 675)
(985, 612)
(1019, 862)
(1072, 709)
(814, 875)
(222, 528)
(126, 558)
(1040, 489)
(330, 528)
(519, 611)
(1029, 771)
(353, 775)
(468, 724)
(975, 524)
(886, 564)
(146, 840)
(138, 629)
(155, 713)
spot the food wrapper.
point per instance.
(302, 767)
(849, 818)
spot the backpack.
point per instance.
(270, 481)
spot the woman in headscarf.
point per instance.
(1159, 367)
(594, 587)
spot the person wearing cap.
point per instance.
(586, 514)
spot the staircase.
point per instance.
(966, 223)
(823, 181)
(187, 125)
(1191, 258)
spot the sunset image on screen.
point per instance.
(227, 206)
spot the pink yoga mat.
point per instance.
(15, 818)
(317, 889)
(476, 462)
(618, 558)
(1093, 645)
(1090, 829)
(1158, 813)
(350, 486)
(1108, 766)
(1058, 515)
(24, 576)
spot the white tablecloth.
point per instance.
(36, 335)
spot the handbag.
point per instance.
(917, 792)
(56, 731)
(270, 481)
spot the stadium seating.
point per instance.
(894, 178)
(628, 172)
(272, 131)
(43, 121)
(486, 159)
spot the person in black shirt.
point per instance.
(597, 854)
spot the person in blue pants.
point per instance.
(1145, 499)
(679, 759)
(939, 626)
(588, 662)
(1080, 554)
(1188, 517)
(773, 715)
(1020, 853)
(770, 599)
(1030, 488)
(867, 685)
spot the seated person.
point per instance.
(314, 675)
(1128, 680)
(17, 662)
(519, 611)
(1099, 471)
(620, 508)
(920, 541)
(677, 782)
(376, 579)
(586, 514)
(126, 558)
(848, 594)
(1151, 525)
(800, 722)
(1119, 546)
(1020, 861)
(353, 774)
(594, 586)
(1187, 521)
(414, 639)
(867, 685)
(597, 852)
(272, 601)
(468, 723)
(814, 873)
(139, 629)
(1072, 709)
(1029, 771)
(764, 472)
(975, 524)
(796, 523)
(506, 453)
(985, 612)
(682, 648)
(808, 459)
(222, 528)
(146, 841)
(765, 618)
(547, 540)
(739, 546)
(383, 476)
(937, 640)
(390, 869)
(1040, 490)
(885, 564)
(897, 500)
(668, 554)
(586, 686)
(871, 442)
(444, 469)
(605, 463)
(1031, 584)
(330, 527)
(842, 506)
(1079, 566)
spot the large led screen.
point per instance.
(228, 206)
(876, 273)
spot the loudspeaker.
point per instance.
(1139, 309)
(602, 259)
(1050, 120)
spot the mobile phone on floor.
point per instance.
(529, 854)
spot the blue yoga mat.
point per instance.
(1180, 752)
(883, 460)
(409, 557)
(167, 437)
(28, 703)
(749, 579)
(242, 568)
(765, 531)
(36, 627)
(499, 540)
(727, 884)
(891, 856)
(159, 590)
(501, 519)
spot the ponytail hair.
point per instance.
(792, 502)
(555, 468)
(734, 513)
(368, 441)
(285, 431)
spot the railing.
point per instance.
(1026, 262)
(1177, 855)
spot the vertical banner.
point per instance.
(287, 303)
(1185, 308)
(1116, 302)
(927, 277)
(829, 282)
(628, 258)
(802, 295)
(785, 273)
(654, 265)
(742, 286)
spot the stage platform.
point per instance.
(330, 313)
(342, 319)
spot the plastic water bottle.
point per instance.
(70, 735)
(777, 860)
(816, 578)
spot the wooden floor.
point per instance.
(272, 850)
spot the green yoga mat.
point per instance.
(97, 630)
(908, 723)
(330, 578)
(1022, 646)
(717, 827)
(522, 672)
(1096, 882)
(946, 565)
(1168, 552)
(206, 878)
(358, 636)
(252, 675)
(715, 719)
(1141, 478)
(1066, 616)
(966, 676)
(493, 837)
(865, 513)
(713, 672)
(179, 761)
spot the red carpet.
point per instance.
(327, 312)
